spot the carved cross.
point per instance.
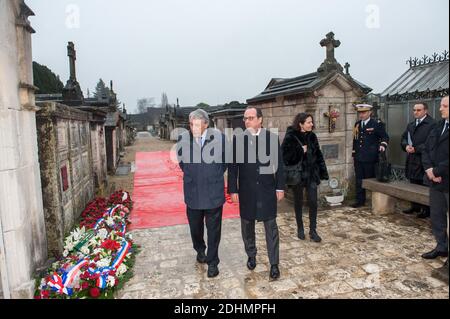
(72, 54)
(330, 43)
(347, 67)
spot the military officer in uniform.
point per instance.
(369, 138)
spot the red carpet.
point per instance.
(158, 193)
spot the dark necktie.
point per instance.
(445, 128)
(256, 144)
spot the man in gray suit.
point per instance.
(201, 156)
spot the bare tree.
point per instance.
(144, 103)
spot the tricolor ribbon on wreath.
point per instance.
(61, 284)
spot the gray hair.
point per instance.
(199, 114)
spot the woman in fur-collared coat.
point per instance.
(301, 145)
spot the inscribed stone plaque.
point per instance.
(62, 135)
(330, 151)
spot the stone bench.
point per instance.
(384, 195)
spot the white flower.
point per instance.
(110, 221)
(66, 253)
(102, 233)
(85, 250)
(97, 251)
(130, 236)
(111, 281)
(105, 262)
(70, 247)
(121, 270)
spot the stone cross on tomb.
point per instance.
(72, 58)
(347, 67)
(330, 43)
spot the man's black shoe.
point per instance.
(409, 211)
(213, 271)
(251, 263)
(435, 254)
(201, 257)
(441, 273)
(274, 272)
(357, 205)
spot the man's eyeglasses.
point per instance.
(249, 118)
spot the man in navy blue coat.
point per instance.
(369, 139)
(201, 156)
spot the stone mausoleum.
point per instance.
(329, 94)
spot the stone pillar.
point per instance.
(382, 203)
(22, 227)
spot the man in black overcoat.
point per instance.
(413, 143)
(435, 162)
(256, 180)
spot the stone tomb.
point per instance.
(329, 95)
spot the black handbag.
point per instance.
(294, 172)
(383, 169)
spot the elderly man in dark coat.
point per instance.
(413, 143)
(435, 161)
(201, 156)
(256, 181)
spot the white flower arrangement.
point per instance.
(121, 270)
(111, 281)
(105, 262)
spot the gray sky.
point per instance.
(217, 51)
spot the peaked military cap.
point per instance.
(363, 107)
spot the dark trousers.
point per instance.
(363, 170)
(416, 206)
(213, 220)
(311, 194)
(272, 239)
(439, 218)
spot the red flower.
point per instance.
(94, 292)
(84, 285)
(110, 245)
(45, 294)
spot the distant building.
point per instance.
(229, 116)
(173, 119)
(148, 121)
